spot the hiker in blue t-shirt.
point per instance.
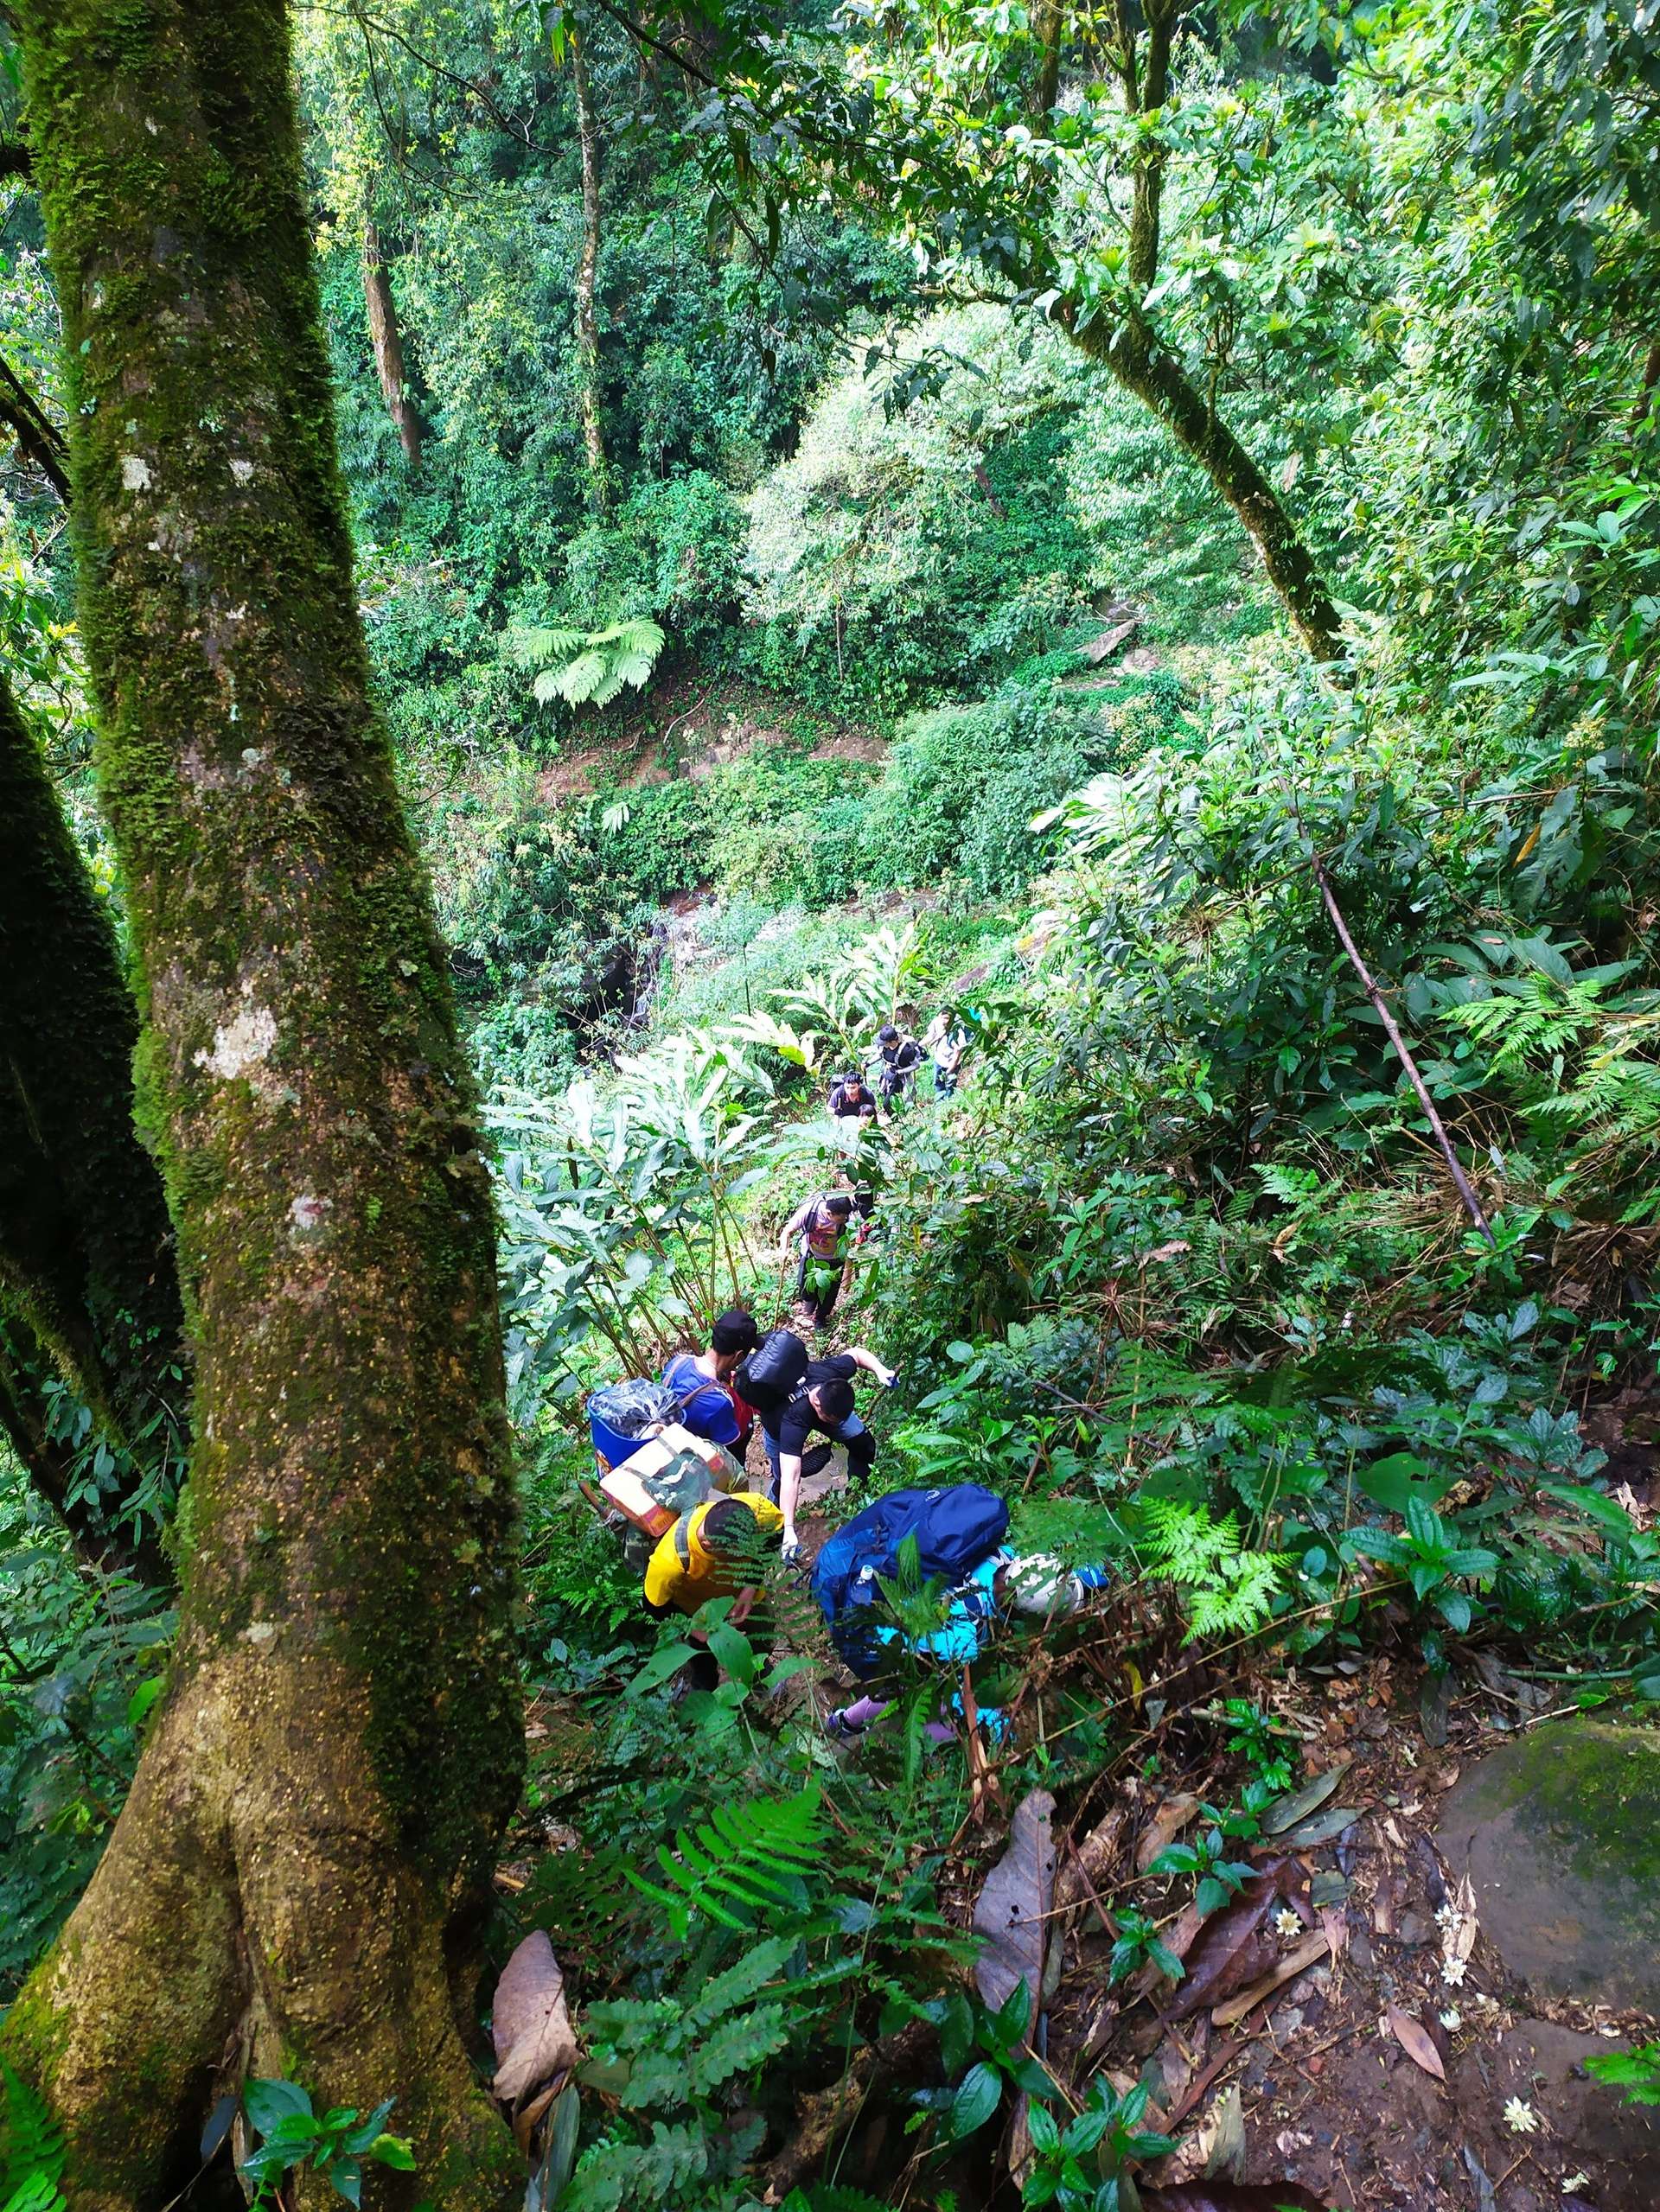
(710, 1404)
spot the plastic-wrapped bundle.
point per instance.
(619, 1416)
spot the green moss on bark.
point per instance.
(345, 1634)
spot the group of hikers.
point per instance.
(890, 1080)
(805, 1407)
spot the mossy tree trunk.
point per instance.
(1160, 381)
(87, 1258)
(299, 1872)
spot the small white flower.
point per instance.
(1286, 1920)
(1453, 1972)
(1571, 2182)
(1447, 1914)
(1451, 2019)
(1521, 2118)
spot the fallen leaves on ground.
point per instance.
(529, 2024)
(1232, 2196)
(1237, 1945)
(1012, 1910)
(1285, 1812)
(1309, 1953)
(1416, 2042)
(1169, 1819)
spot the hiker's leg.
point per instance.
(861, 1444)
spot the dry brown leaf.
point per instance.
(1097, 1857)
(1414, 2041)
(1334, 1927)
(1012, 1909)
(1236, 1945)
(530, 2116)
(1463, 1935)
(529, 2024)
(1168, 1821)
(1222, 2132)
(1295, 1962)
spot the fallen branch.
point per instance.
(1460, 1181)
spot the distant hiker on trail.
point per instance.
(821, 1230)
(822, 1402)
(709, 1405)
(702, 1556)
(899, 1057)
(946, 1041)
(850, 1100)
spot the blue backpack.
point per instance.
(955, 1528)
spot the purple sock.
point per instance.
(862, 1713)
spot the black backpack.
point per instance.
(773, 1372)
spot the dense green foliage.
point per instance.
(1180, 1271)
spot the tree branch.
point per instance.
(37, 436)
(1460, 1181)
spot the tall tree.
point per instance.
(387, 341)
(946, 124)
(300, 1870)
(593, 431)
(87, 1258)
(1137, 49)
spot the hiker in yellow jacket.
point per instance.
(700, 1558)
(694, 1561)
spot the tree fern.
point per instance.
(744, 1862)
(589, 667)
(31, 2153)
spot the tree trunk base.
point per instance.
(253, 1915)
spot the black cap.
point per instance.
(734, 1331)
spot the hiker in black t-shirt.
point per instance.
(901, 1056)
(821, 1403)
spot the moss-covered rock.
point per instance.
(1559, 1833)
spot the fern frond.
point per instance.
(751, 1856)
(1229, 1591)
(588, 667)
(31, 2153)
(615, 2174)
(738, 2046)
(744, 1979)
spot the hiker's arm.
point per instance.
(870, 1364)
(793, 1227)
(789, 1491)
(742, 1606)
